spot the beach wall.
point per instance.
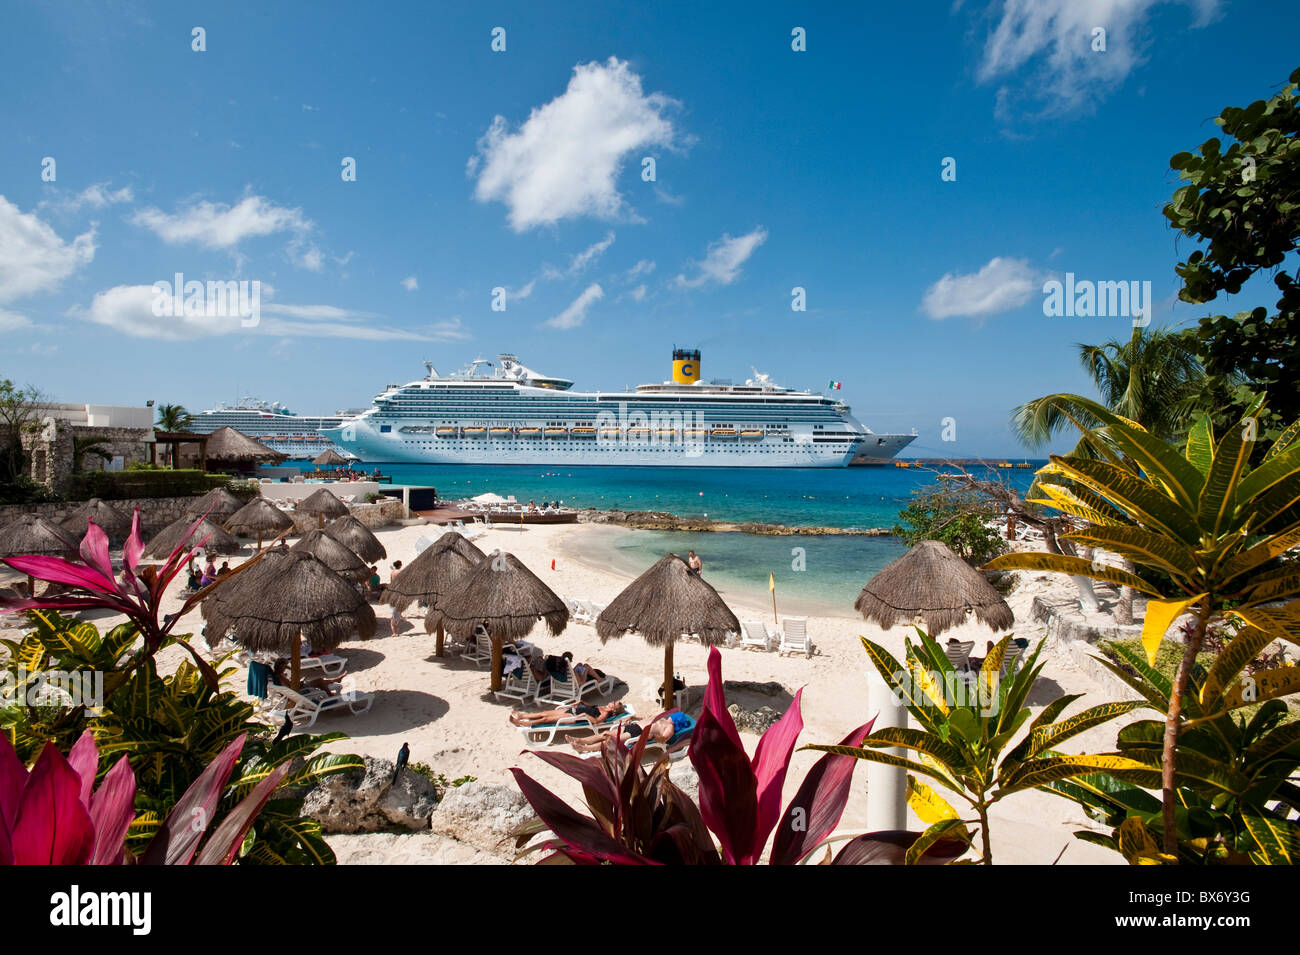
(155, 512)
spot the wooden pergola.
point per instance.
(175, 439)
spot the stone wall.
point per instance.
(50, 450)
(155, 513)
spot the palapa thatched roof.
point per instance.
(432, 575)
(167, 539)
(116, 524)
(510, 598)
(259, 514)
(933, 583)
(28, 534)
(322, 502)
(335, 555)
(217, 505)
(285, 594)
(329, 458)
(665, 602)
(229, 445)
(356, 537)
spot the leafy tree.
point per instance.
(1153, 378)
(1207, 532)
(173, 418)
(19, 407)
(960, 519)
(1243, 204)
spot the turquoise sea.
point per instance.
(814, 573)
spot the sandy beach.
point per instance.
(442, 708)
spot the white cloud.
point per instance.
(722, 263)
(100, 196)
(410, 283)
(576, 313)
(643, 267)
(563, 162)
(128, 309)
(523, 293)
(305, 255)
(1001, 285)
(1058, 36)
(220, 226)
(32, 256)
(450, 330)
(638, 293)
(590, 254)
(12, 321)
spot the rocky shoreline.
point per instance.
(663, 521)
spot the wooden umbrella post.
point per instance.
(668, 676)
(437, 649)
(496, 664)
(259, 540)
(295, 672)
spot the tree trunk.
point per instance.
(1124, 608)
(496, 664)
(1167, 766)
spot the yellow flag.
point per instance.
(771, 581)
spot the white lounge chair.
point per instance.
(794, 637)
(479, 652)
(754, 634)
(304, 709)
(959, 654)
(522, 688)
(565, 689)
(331, 666)
(545, 733)
(1011, 659)
(586, 612)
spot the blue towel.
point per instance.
(259, 675)
(683, 726)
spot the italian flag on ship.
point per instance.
(835, 385)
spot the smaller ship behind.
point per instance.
(274, 425)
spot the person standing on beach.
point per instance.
(694, 563)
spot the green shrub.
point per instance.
(121, 485)
(23, 490)
(960, 520)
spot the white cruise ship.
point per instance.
(506, 413)
(298, 436)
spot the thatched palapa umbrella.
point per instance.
(28, 534)
(329, 459)
(335, 556)
(116, 524)
(217, 505)
(288, 594)
(228, 448)
(431, 577)
(356, 537)
(323, 504)
(259, 516)
(665, 602)
(933, 585)
(167, 539)
(504, 594)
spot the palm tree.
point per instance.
(1154, 378)
(173, 418)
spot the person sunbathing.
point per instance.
(660, 731)
(597, 714)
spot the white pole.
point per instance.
(886, 785)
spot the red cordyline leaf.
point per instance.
(53, 827)
(94, 551)
(728, 795)
(13, 776)
(84, 760)
(771, 760)
(816, 808)
(593, 777)
(229, 836)
(111, 810)
(59, 571)
(889, 846)
(175, 842)
(573, 829)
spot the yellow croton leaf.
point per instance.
(928, 805)
(1160, 616)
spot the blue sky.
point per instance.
(522, 169)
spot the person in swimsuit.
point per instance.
(660, 731)
(596, 714)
